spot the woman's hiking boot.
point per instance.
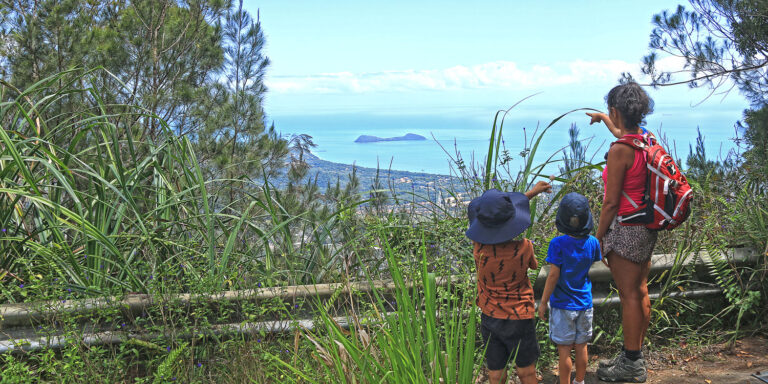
(624, 370)
(607, 363)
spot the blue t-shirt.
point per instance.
(573, 256)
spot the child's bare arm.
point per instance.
(549, 287)
(541, 186)
(598, 117)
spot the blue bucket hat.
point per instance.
(573, 215)
(497, 217)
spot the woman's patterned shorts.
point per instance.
(634, 243)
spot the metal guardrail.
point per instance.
(16, 320)
(246, 328)
(19, 314)
(659, 264)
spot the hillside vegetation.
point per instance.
(144, 178)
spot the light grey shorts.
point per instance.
(570, 327)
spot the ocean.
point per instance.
(334, 135)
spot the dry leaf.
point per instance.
(342, 352)
(345, 359)
(749, 364)
(342, 329)
(296, 337)
(708, 381)
(364, 338)
(322, 353)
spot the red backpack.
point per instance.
(667, 198)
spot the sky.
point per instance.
(444, 68)
(459, 57)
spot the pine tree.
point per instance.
(755, 129)
(157, 53)
(198, 65)
(576, 158)
(235, 142)
(172, 51)
(718, 39)
(721, 40)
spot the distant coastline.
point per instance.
(328, 167)
(327, 173)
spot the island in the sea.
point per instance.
(374, 139)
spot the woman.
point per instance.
(627, 249)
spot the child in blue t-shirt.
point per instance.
(568, 290)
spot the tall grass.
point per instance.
(496, 171)
(429, 337)
(85, 198)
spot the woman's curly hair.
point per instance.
(632, 101)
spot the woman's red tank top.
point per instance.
(634, 180)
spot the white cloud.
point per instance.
(493, 75)
(670, 63)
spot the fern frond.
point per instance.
(719, 267)
(166, 368)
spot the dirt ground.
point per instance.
(689, 364)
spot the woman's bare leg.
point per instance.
(646, 300)
(632, 282)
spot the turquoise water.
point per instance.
(334, 135)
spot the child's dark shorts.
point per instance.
(509, 340)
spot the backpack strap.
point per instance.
(631, 202)
(637, 145)
(632, 142)
(650, 138)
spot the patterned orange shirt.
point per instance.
(503, 288)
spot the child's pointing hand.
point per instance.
(541, 186)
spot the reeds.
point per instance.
(88, 201)
(85, 198)
(429, 336)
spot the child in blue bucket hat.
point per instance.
(568, 290)
(504, 292)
